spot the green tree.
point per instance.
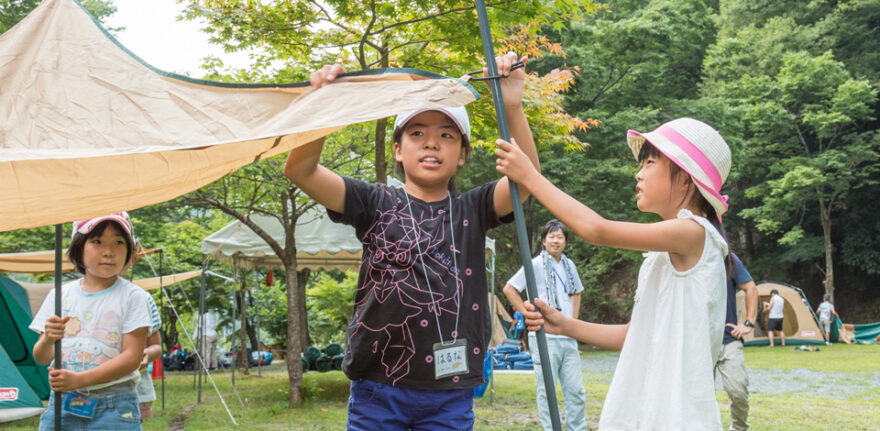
(803, 118)
(12, 11)
(300, 36)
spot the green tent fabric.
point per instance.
(17, 399)
(17, 340)
(834, 336)
(867, 332)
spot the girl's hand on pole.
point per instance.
(325, 75)
(512, 162)
(513, 86)
(548, 317)
(63, 380)
(55, 328)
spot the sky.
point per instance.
(153, 34)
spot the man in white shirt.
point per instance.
(774, 319)
(558, 284)
(209, 342)
(825, 310)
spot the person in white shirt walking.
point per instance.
(774, 319)
(559, 285)
(209, 340)
(825, 310)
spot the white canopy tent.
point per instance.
(320, 243)
(90, 129)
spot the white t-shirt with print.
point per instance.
(97, 322)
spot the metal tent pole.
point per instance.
(162, 289)
(59, 229)
(201, 338)
(525, 255)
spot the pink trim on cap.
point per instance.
(691, 150)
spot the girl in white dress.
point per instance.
(664, 377)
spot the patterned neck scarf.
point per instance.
(551, 276)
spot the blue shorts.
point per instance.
(376, 406)
(112, 412)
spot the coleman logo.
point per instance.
(8, 394)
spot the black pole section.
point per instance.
(201, 337)
(162, 289)
(59, 229)
(519, 220)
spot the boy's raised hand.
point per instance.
(55, 328)
(548, 316)
(512, 162)
(513, 86)
(325, 75)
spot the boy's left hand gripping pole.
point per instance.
(57, 365)
(519, 220)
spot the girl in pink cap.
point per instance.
(664, 378)
(102, 328)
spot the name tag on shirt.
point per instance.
(450, 359)
(79, 405)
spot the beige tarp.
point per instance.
(37, 292)
(89, 129)
(320, 243)
(43, 262)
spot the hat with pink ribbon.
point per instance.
(696, 148)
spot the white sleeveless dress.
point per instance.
(664, 378)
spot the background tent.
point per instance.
(85, 104)
(320, 243)
(17, 398)
(43, 262)
(800, 324)
(18, 341)
(502, 322)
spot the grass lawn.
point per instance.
(264, 398)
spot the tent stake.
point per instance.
(525, 254)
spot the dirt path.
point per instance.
(178, 424)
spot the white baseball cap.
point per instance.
(457, 114)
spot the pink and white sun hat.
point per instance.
(696, 148)
(121, 218)
(458, 115)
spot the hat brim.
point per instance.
(635, 140)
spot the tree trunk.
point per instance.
(244, 361)
(381, 166)
(302, 279)
(169, 337)
(252, 327)
(294, 334)
(825, 215)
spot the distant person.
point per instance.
(518, 326)
(559, 285)
(731, 363)
(825, 310)
(776, 305)
(103, 330)
(145, 390)
(209, 341)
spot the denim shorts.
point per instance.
(376, 406)
(112, 412)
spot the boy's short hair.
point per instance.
(75, 251)
(552, 226)
(774, 292)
